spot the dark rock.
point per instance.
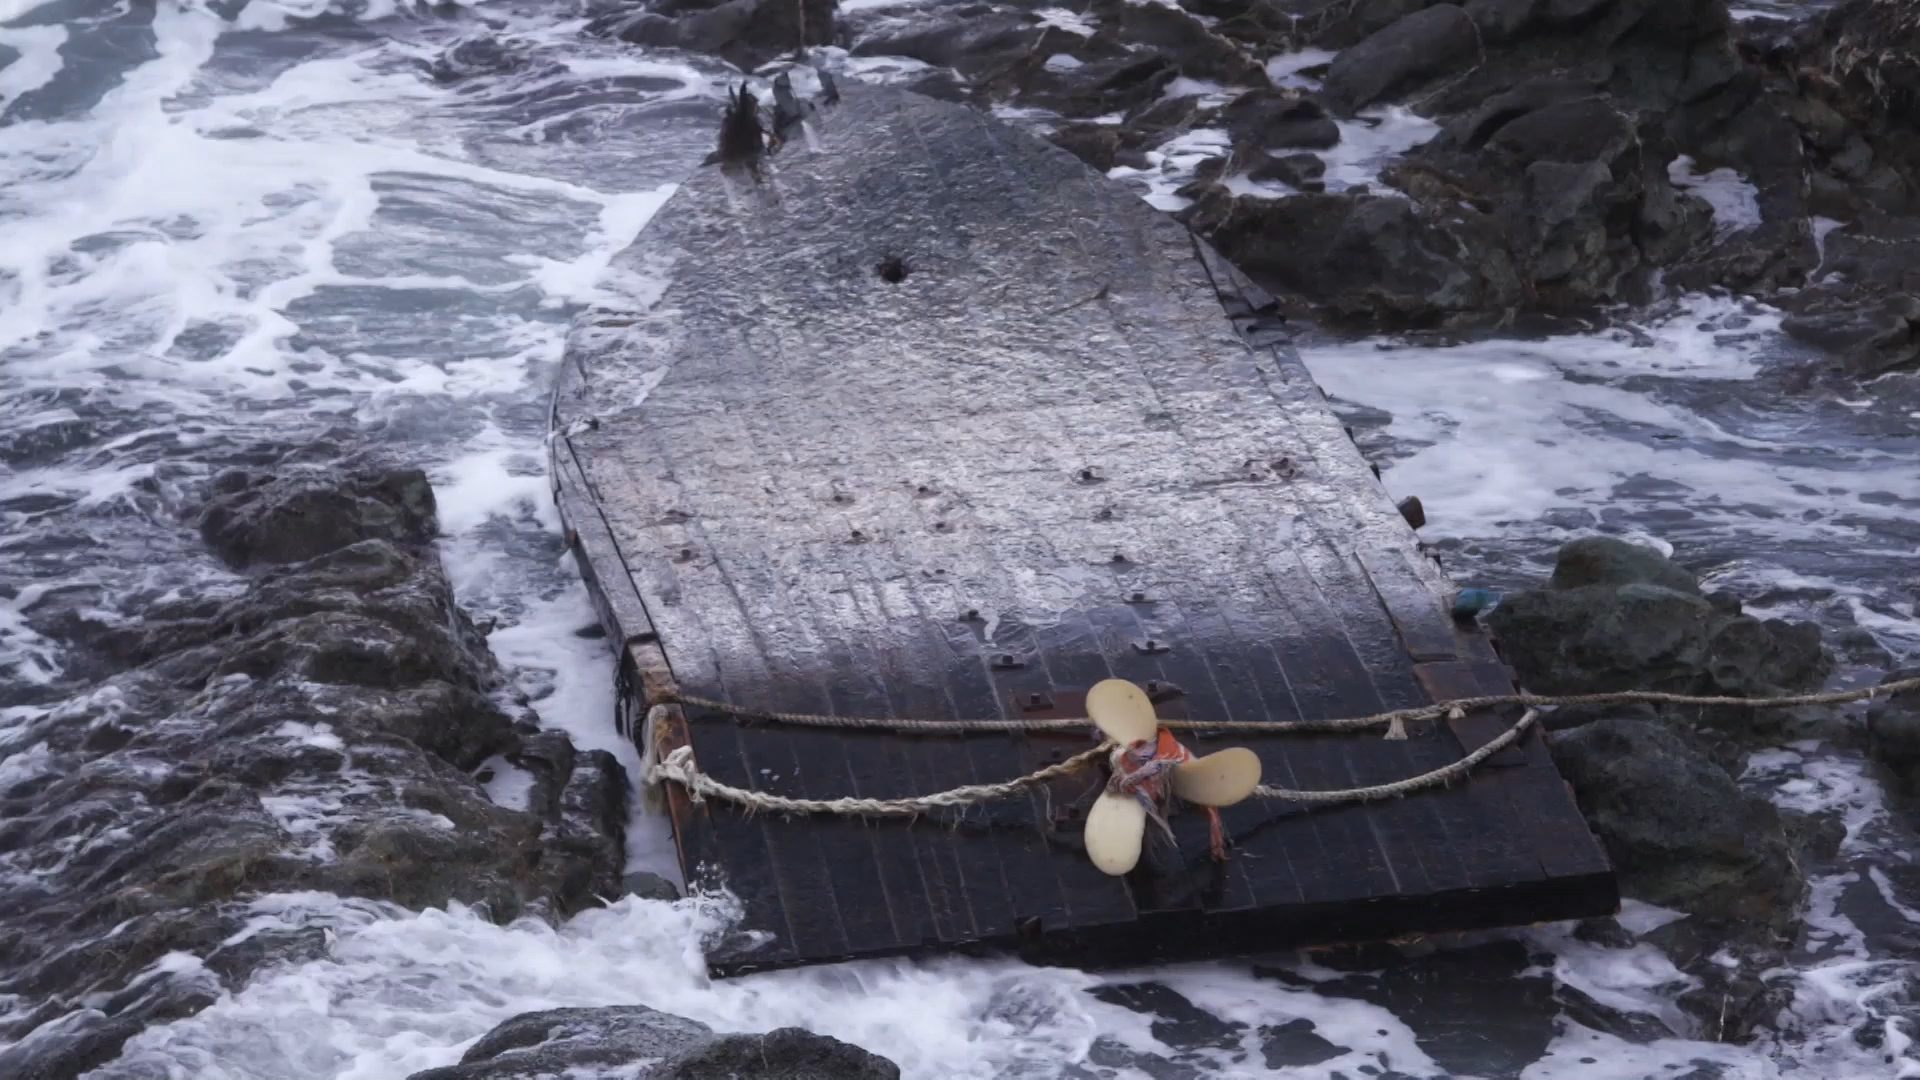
(648, 886)
(745, 33)
(316, 733)
(1264, 120)
(1501, 20)
(1732, 997)
(973, 42)
(1679, 831)
(1123, 85)
(1616, 617)
(1815, 838)
(557, 1041)
(1568, 717)
(1858, 57)
(1096, 144)
(1634, 1027)
(782, 1054)
(1295, 1044)
(1421, 45)
(659, 1046)
(1342, 26)
(1748, 657)
(1175, 1018)
(1475, 127)
(1893, 729)
(1197, 51)
(1584, 130)
(1362, 258)
(1606, 560)
(256, 518)
(1606, 933)
(1870, 339)
(1301, 171)
(1601, 638)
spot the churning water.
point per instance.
(231, 229)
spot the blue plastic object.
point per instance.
(1469, 602)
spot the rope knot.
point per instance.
(1144, 770)
(678, 765)
(1141, 770)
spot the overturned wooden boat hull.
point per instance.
(928, 420)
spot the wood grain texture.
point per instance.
(1070, 444)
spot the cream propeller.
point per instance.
(1116, 826)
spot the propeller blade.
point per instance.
(1115, 828)
(1122, 712)
(1222, 778)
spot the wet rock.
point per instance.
(1571, 187)
(646, 1044)
(1599, 638)
(1501, 20)
(1126, 85)
(1176, 1020)
(648, 886)
(1815, 838)
(1300, 171)
(1196, 50)
(1296, 1044)
(1267, 120)
(1618, 618)
(1607, 560)
(1870, 339)
(1346, 25)
(1548, 191)
(1585, 1010)
(1606, 933)
(1419, 46)
(1893, 729)
(315, 733)
(1733, 997)
(745, 33)
(971, 41)
(1679, 831)
(783, 1054)
(1096, 144)
(1362, 258)
(255, 517)
(1859, 58)
(557, 1041)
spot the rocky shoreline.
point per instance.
(325, 730)
(1584, 155)
(1659, 785)
(335, 722)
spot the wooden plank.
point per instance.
(1495, 857)
(615, 599)
(767, 757)
(1371, 667)
(808, 476)
(1425, 629)
(1561, 840)
(1478, 727)
(875, 864)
